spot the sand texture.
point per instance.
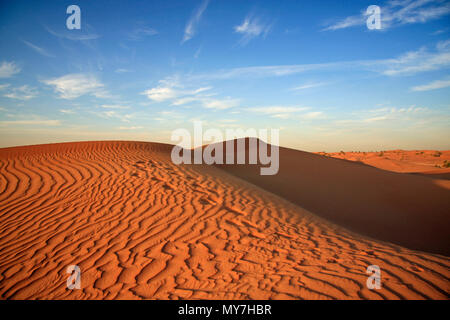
(140, 227)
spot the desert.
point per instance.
(140, 227)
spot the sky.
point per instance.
(138, 70)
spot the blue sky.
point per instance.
(137, 70)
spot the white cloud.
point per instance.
(160, 94)
(4, 86)
(399, 12)
(72, 86)
(277, 109)
(122, 70)
(409, 63)
(374, 119)
(197, 52)
(269, 71)
(251, 28)
(113, 114)
(418, 61)
(279, 112)
(21, 93)
(191, 26)
(410, 114)
(220, 104)
(347, 22)
(140, 33)
(312, 115)
(199, 90)
(308, 86)
(171, 89)
(114, 106)
(67, 111)
(130, 128)
(421, 60)
(75, 36)
(32, 122)
(39, 50)
(185, 100)
(8, 69)
(438, 84)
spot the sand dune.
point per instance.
(412, 161)
(405, 209)
(140, 227)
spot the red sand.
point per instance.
(140, 227)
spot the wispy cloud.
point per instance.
(130, 128)
(32, 122)
(122, 70)
(39, 50)
(280, 112)
(197, 52)
(164, 91)
(184, 100)
(347, 22)
(399, 12)
(110, 114)
(308, 86)
(114, 106)
(374, 119)
(438, 84)
(312, 115)
(74, 35)
(21, 93)
(179, 94)
(418, 61)
(268, 71)
(421, 60)
(252, 27)
(191, 26)
(220, 104)
(8, 69)
(67, 111)
(386, 114)
(72, 86)
(141, 32)
(172, 89)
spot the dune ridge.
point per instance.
(140, 227)
(411, 210)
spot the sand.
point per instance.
(406, 161)
(140, 227)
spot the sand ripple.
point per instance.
(140, 227)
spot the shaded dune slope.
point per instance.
(140, 227)
(411, 210)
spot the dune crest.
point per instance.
(407, 209)
(140, 227)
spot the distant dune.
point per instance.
(411, 161)
(140, 227)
